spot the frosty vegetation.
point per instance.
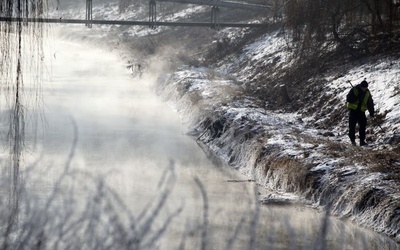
(263, 111)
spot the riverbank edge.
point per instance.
(338, 189)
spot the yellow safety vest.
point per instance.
(354, 105)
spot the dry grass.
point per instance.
(286, 173)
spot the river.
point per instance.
(107, 159)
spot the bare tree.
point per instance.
(16, 38)
(315, 22)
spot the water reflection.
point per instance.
(110, 167)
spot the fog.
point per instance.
(124, 135)
(95, 125)
(119, 120)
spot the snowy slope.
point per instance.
(283, 152)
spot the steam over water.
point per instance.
(96, 120)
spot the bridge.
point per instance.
(152, 21)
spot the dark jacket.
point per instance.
(352, 98)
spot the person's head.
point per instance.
(364, 85)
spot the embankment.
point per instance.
(283, 154)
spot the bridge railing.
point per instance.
(220, 3)
(152, 22)
(215, 11)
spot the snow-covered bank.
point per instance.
(284, 153)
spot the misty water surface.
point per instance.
(119, 131)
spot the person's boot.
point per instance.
(363, 143)
(353, 142)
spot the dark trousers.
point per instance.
(354, 118)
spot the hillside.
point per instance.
(293, 137)
(278, 117)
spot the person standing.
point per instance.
(359, 100)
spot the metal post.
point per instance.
(89, 11)
(26, 9)
(152, 14)
(215, 17)
(25, 12)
